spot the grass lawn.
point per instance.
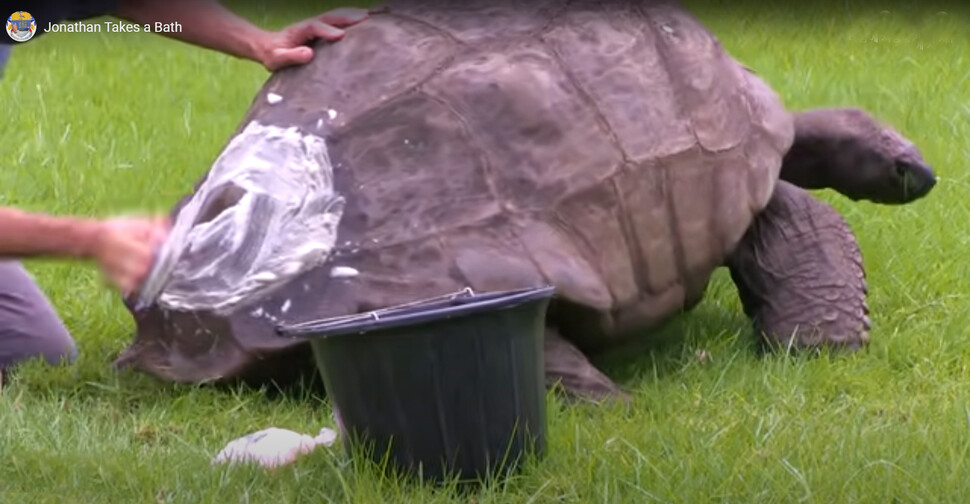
(118, 123)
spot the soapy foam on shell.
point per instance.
(266, 213)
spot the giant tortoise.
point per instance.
(613, 150)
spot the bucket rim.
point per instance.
(458, 304)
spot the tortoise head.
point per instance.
(848, 150)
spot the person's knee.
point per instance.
(56, 345)
(57, 349)
(48, 340)
(29, 325)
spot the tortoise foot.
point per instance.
(569, 371)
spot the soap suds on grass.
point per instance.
(266, 213)
(272, 447)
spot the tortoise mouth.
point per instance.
(916, 181)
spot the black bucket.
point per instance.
(446, 387)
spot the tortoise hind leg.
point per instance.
(567, 366)
(800, 275)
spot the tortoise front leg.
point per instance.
(567, 366)
(800, 275)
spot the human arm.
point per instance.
(122, 247)
(26, 234)
(208, 24)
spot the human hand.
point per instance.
(124, 248)
(289, 45)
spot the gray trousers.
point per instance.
(29, 326)
(4, 56)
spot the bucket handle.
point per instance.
(375, 315)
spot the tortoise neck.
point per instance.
(808, 163)
(822, 155)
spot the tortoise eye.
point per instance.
(902, 168)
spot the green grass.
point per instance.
(117, 123)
